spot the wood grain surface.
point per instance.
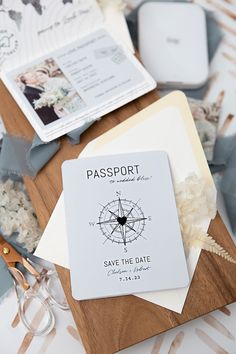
(108, 325)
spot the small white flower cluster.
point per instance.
(49, 98)
(17, 214)
(195, 202)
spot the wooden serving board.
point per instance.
(108, 325)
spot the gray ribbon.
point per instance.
(5, 278)
(23, 157)
(214, 36)
(74, 135)
(40, 153)
(225, 161)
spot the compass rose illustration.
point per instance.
(122, 221)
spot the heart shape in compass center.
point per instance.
(122, 220)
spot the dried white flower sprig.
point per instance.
(17, 214)
(195, 201)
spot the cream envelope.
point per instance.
(165, 125)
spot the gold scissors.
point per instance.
(42, 295)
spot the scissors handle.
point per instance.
(43, 321)
(11, 257)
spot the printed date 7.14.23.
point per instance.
(135, 277)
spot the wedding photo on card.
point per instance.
(49, 91)
(122, 225)
(77, 84)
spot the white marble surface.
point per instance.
(214, 333)
(187, 339)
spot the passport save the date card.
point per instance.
(122, 225)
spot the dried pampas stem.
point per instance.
(207, 243)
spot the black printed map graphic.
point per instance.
(121, 221)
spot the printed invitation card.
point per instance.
(77, 84)
(122, 225)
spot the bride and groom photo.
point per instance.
(49, 92)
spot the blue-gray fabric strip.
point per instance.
(228, 185)
(13, 156)
(22, 157)
(225, 161)
(5, 278)
(40, 153)
(223, 149)
(74, 135)
(214, 37)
